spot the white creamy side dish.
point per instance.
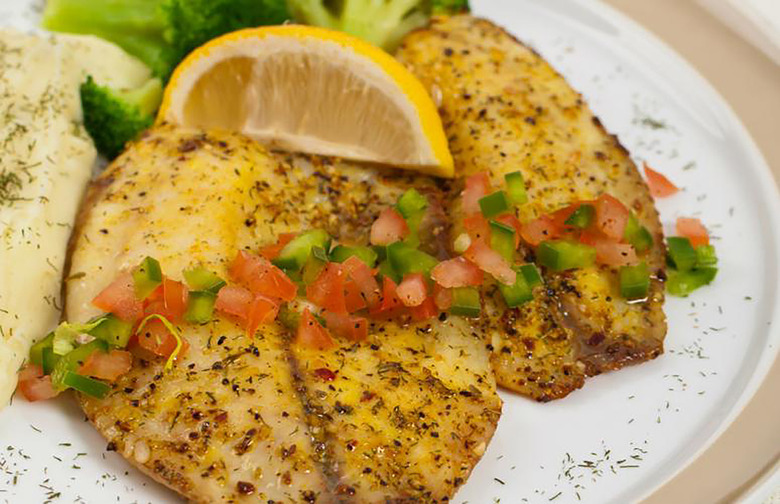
(46, 160)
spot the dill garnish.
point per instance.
(10, 184)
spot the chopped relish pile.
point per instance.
(345, 286)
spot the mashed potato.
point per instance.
(46, 160)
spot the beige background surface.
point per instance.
(750, 82)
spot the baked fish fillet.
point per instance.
(505, 109)
(403, 417)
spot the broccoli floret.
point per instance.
(160, 32)
(450, 7)
(381, 22)
(114, 117)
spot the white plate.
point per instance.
(625, 433)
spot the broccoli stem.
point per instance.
(379, 22)
(137, 26)
(313, 12)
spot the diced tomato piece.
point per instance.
(511, 221)
(271, 252)
(389, 227)
(660, 186)
(427, 309)
(539, 230)
(694, 230)
(175, 298)
(327, 290)
(107, 366)
(491, 262)
(610, 252)
(262, 277)
(156, 338)
(390, 303)
(119, 298)
(33, 385)
(477, 187)
(559, 217)
(234, 300)
(353, 297)
(274, 283)
(347, 326)
(30, 371)
(442, 297)
(365, 280)
(156, 306)
(244, 265)
(477, 226)
(156, 295)
(611, 216)
(412, 291)
(458, 272)
(262, 310)
(168, 300)
(311, 334)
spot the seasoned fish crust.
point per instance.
(402, 417)
(505, 109)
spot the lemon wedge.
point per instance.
(311, 90)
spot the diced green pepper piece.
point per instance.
(341, 253)
(466, 302)
(637, 235)
(706, 256)
(200, 307)
(36, 351)
(494, 204)
(406, 259)
(560, 255)
(289, 317)
(112, 330)
(147, 277)
(201, 279)
(680, 253)
(295, 254)
(86, 385)
(411, 203)
(682, 283)
(515, 186)
(73, 360)
(502, 239)
(50, 360)
(314, 265)
(516, 294)
(531, 275)
(634, 281)
(381, 252)
(386, 270)
(582, 217)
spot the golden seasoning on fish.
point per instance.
(402, 416)
(505, 109)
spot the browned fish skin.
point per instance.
(505, 109)
(403, 417)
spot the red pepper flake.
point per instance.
(325, 374)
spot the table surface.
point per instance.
(750, 82)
